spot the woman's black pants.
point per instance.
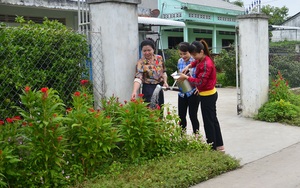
(191, 103)
(211, 124)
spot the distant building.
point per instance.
(212, 20)
(289, 30)
(65, 11)
(170, 21)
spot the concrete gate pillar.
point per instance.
(114, 43)
(254, 62)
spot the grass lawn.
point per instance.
(183, 169)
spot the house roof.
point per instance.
(291, 18)
(159, 22)
(214, 3)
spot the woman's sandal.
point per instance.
(221, 149)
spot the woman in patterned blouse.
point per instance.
(150, 71)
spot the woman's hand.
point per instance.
(182, 77)
(186, 69)
(133, 95)
(166, 85)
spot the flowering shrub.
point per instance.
(282, 104)
(51, 145)
(43, 136)
(279, 89)
(92, 135)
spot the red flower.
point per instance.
(120, 105)
(91, 110)
(30, 124)
(24, 123)
(44, 89)
(27, 89)
(169, 112)
(59, 138)
(125, 102)
(83, 82)
(77, 94)
(9, 120)
(16, 118)
(157, 107)
(69, 110)
(1, 122)
(141, 95)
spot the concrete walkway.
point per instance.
(268, 152)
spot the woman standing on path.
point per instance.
(205, 81)
(150, 72)
(190, 99)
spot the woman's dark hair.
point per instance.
(184, 46)
(197, 46)
(148, 42)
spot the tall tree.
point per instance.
(277, 15)
(238, 3)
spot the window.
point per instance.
(227, 42)
(174, 41)
(207, 40)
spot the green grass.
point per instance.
(179, 170)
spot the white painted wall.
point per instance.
(254, 62)
(117, 27)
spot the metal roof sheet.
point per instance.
(159, 21)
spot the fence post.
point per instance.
(254, 62)
(115, 22)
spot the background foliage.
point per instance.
(39, 55)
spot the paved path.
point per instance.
(268, 152)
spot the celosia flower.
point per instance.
(157, 107)
(1, 122)
(44, 89)
(16, 118)
(83, 82)
(125, 102)
(141, 95)
(27, 89)
(69, 110)
(9, 120)
(77, 94)
(59, 138)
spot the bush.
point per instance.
(225, 63)
(172, 57)
(50, 145)
(278, 111)
(289, 68)
(283, 105)
(283, 58)
(39, 55)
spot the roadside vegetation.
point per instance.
(121, 144)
